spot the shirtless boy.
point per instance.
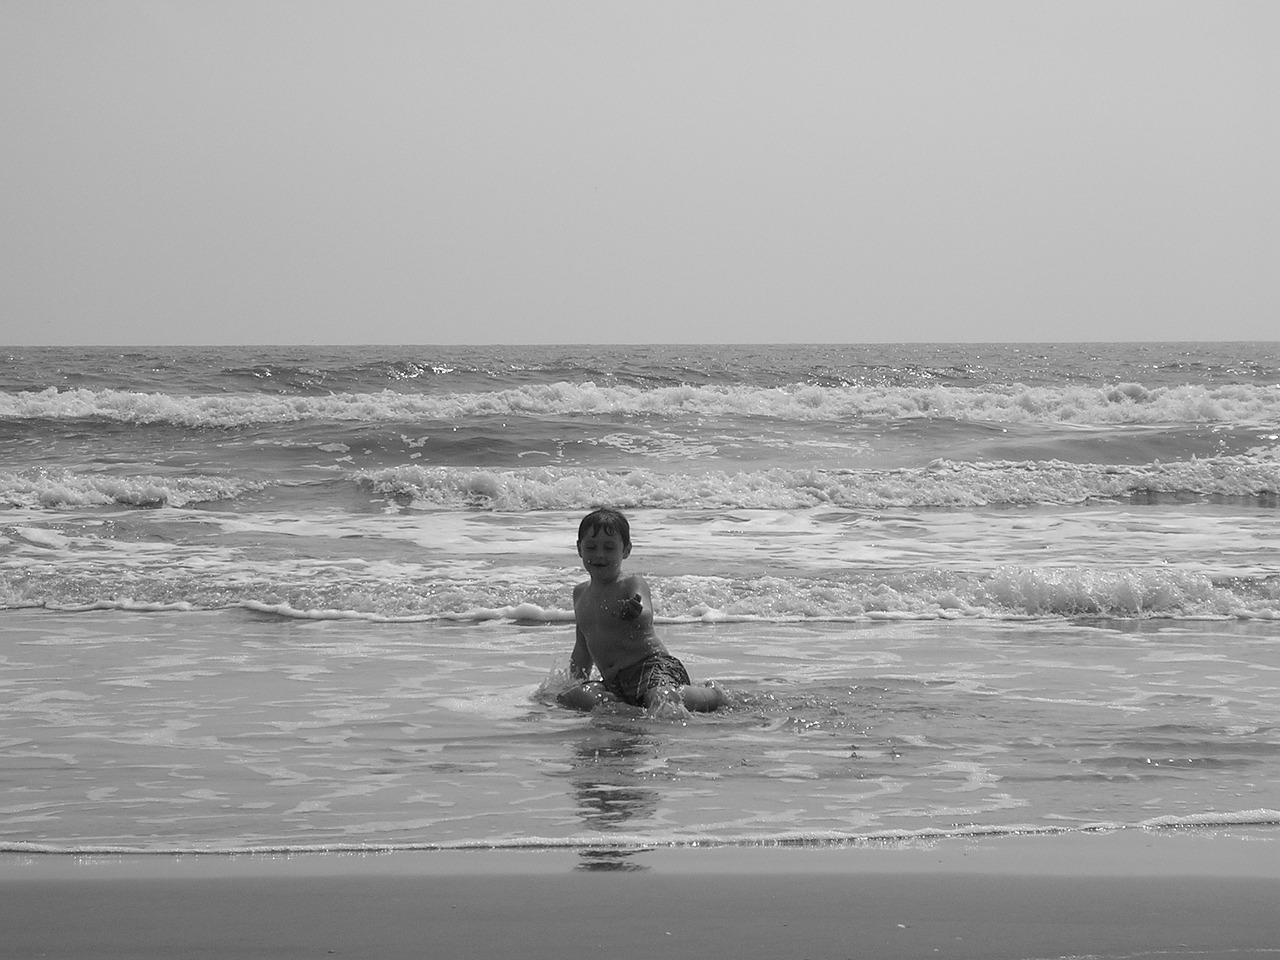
(615, 630)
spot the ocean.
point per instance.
(318, 598)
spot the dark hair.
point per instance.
(608, 520)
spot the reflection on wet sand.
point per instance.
(608, 784)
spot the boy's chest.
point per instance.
(596, 611)
(598, 614)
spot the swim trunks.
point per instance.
(630, 684)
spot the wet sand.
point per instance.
(1109, 895)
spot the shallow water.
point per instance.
(229, 731)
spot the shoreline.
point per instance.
(1118, 894)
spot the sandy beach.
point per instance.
(1118, 894)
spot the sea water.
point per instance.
(319, 598)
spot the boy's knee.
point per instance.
(705, 698)
(584, 696)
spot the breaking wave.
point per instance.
(1124, 403)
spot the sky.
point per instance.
(665, 171)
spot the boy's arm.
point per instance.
(580, 661)
(638, 600)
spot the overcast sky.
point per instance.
(544, 171)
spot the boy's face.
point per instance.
(602, 554)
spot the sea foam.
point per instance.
(65, 488)
(1125, 403)
(943, 483)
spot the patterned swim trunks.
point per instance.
(630, 684)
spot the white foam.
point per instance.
(64, 488)
(622, 841)
(941, 484)
(1127, 403)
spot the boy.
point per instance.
(615, 630)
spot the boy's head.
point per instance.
(605, 520)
